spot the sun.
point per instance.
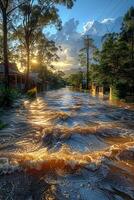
(34, 61)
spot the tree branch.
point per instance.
(1, 5)
(10, 11)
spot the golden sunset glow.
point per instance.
(66, 100)
(20, 68)
(34, 61)
(61, 64)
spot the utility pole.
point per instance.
(87, 44)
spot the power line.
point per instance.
(104, 9)
(116, 8)
(111, 11)
(115, 24)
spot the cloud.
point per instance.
(70, 41)
(88, 25)
(108, 20)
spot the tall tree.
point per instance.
(46, 54)
(111, 60)
(7, 7)
(75, 79)
(35, 15)
(128, 31)
(29, 20)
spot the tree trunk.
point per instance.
(28, 68)
(5, 50)
(87, 68)
(132, 46)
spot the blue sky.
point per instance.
(85, 10)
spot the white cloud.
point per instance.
(71, 41)
(104, 21)
(88, 25)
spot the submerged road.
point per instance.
(67, 145)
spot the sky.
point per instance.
(85, 10)
(79, 21)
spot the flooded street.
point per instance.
(67, 145)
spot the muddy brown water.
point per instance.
(67, 145)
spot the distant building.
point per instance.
(17, 79)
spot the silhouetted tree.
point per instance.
(7, 7)
(35, 15)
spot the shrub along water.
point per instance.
(114, 62)
(32, 93)
(7, 96)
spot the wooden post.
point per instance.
(110, 95)
(101, 91)
(93, 89)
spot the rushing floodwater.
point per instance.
(67, 145)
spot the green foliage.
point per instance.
(128, 21)
(7, 96)
(114, 64)
(75, 79)
(97, 75)
(119, 91)
(111, 62)
(34, 15)
(46, 53)
(115, 92)
(55, 79)
(26, 19)
(32, 93)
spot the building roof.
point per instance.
(12, 68)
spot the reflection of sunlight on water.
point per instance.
(50, 145)
(42, 116)
(122, 104)
(66, 99)
(66, 160)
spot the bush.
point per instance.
(119, 92)
(32, 92)
(7, 96)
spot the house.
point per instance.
(17, 79)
